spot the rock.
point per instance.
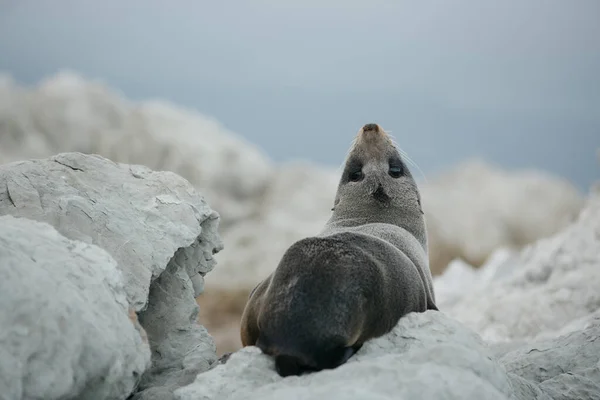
(297, 203)
(460, 278)
(427, 355)
(559, 364)
(567, 367)
(65, 331)
(66, 113)
(476, 208)
(555, 284)
(155, 225)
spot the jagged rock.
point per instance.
(564, 368)
(65, 330)
(428, 355)
(555, 283)
(460, 278)
(155, 225)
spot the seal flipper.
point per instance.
(431, 305)
(287, 365)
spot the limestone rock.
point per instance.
(155, 225)
(565, 368)
(476, 208)
(65, 332)
(67, 113)
(555, 283)
(427, 355)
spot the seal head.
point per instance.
(377, 186)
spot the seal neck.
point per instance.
(411, 222)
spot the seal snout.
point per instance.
(286, 365)
(372, 135)
(371, 127)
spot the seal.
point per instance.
(355, 279)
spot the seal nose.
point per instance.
(370, 127)
(380, 195)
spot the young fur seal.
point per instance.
(353, 281)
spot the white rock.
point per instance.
(565, 368)
(155, 225)
(66, 113)
(95, 200)
(459, 278)
(428, 355)
(476, 208)
(557, 283)
(64, 326)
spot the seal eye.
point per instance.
(355, 176)
(396, 171)
(353, 171)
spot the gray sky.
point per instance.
(515, 82)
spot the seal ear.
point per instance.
(419, 203)
(335, 203)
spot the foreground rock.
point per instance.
(160, 231)
(427, 356)
(564, 368)
(65, 332)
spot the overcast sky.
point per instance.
(515, 82)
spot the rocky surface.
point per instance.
(160, 231)
(427, 355)
(65, 331)
(553, 283)
(564, 368)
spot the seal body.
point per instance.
(356, 278)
